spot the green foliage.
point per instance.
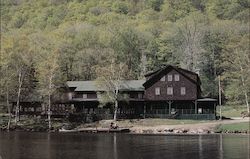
(210, 36)
(120, 7)
(155, 4)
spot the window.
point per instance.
(70, 96)
(140, 95)
(183, 90)
(200, 111)
(170, 77)
(170, 91)
(157, 91)
(163, 78)
(84, 96)
(177, 77)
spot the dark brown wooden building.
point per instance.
(169, 92)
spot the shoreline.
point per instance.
(208, 127)
(132, 133)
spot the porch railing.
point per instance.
(179, 111)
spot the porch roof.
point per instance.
(206, 100)
(127, 85)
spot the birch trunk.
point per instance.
(115, 111)
(244, 89)
(8, 106)
(17, 115)
(116, 103)
(49, 103)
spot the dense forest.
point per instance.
(47, 42)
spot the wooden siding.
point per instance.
(93, 95)
(136, 95)
(191, 89)
(90, 95)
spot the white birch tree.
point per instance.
(191, 30)
(47, 69)
(110, 80)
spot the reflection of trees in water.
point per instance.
(115, 146)
(235, 146)
(221, 146)
(48, 145)
(248, 145)
(200, 147)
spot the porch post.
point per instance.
(144, 110)
(169, 107)
(215, 110)
(195, 105)
(83, 108)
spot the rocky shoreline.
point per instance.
(184, 131)
(136, 127)
(171, 131)
(141, 130)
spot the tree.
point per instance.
(17, 48)
(156, 4)
(6, 81)
(110, 80)
(126, 44)
(47, 69)
(237, 74)
(191, 30)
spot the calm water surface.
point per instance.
(23, 145)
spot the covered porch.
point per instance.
(195, 109)
(92, 109)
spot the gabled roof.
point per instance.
(83, 85)
(151, 73)
(127, 85)
(157, 75)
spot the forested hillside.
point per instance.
(46, 42)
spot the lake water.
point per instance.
(23, 145)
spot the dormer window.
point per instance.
(84, 96)
(163, 78)
(157, 91)
(177, 77)
(170, 77)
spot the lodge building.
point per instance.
(169, 92)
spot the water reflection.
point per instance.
(248, 145)
(48, 148)
(200, 147)
(21, 145)
(221, 146)
(115, 147)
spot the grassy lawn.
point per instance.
(239, 127)
(231, 110)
